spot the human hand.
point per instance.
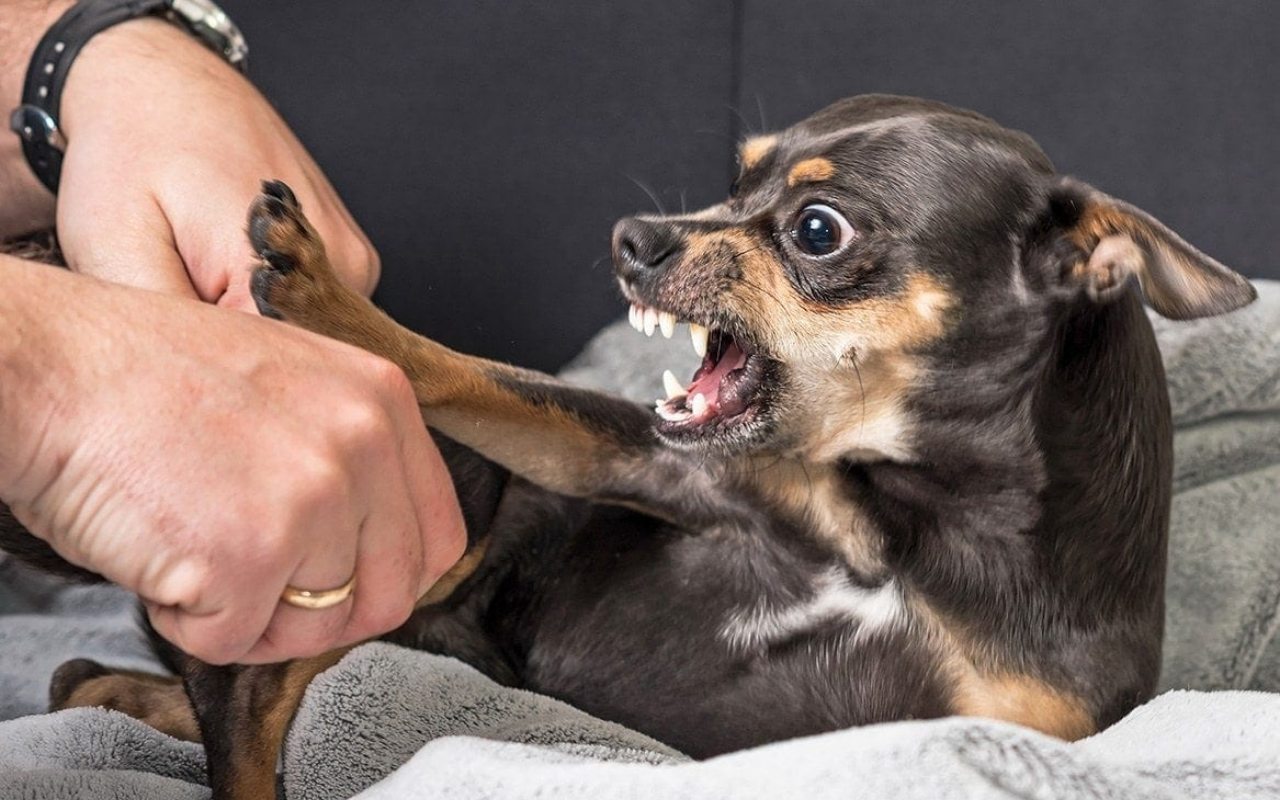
(167, 146)
(205, 460)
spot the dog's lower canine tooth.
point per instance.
(667, 321)
(699, 336)
(650, 321)
(672, 385)
(669, 415)
(698, 405)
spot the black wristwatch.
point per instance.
(36, 120)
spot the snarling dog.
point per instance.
(923, 469)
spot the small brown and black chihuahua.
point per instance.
(924, 468)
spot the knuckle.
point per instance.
(319, 479)
(365, 423)
(391, 379)
(185, 585)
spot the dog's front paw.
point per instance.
(294, 269)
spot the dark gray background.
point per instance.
(488, 145)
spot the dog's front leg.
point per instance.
(567, 439)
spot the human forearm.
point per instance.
(25, 205)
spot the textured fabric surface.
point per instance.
(428, 726)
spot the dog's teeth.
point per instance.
(699, 335)
(650, 321)
(673, 386)
(698, 405)
(667, 321)
(669, 414)
(638, 322)
(631, 315)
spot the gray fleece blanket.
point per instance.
(392, 723)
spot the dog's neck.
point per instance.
(1066, 487)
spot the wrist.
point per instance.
(27, 205)
(146, 56)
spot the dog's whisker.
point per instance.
(746, 128)
(862, 393)
(762, 290)
(764, 122)
(644, 187)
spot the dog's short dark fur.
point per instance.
(928, 473)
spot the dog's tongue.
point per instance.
(715, 380)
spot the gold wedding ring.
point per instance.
(314, 600)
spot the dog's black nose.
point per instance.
(644, 247)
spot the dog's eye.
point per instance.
(820, 230)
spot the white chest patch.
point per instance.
(834, 598)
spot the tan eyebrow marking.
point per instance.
(753, 150)
(811, 170)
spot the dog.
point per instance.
(923, 468)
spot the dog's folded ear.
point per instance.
(1109, 241)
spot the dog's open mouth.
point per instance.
(724, 391)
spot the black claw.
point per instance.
(280, 262)
(260, 287)
(68, 677)
(280, 191)
(266, 212)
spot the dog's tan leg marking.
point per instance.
(458, 573)
(1024, 700)
(982, 687)
(158, 700)
(811, 170)
(502, 412)
(263, 703)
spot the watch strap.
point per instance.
(36, 119)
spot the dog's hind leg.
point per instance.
(158, 700)
(240, 713)
(243, 713)
(566, 439)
